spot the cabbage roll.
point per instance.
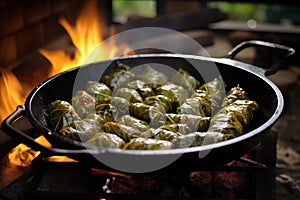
(147, 144)
(106, 140)
(61, 114)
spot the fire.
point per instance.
(85, 36)
(22, 155)
(11, 93)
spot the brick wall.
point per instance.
(26, 25)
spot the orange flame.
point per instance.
(11, 93)
(85, 36)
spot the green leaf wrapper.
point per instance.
(83, 103)
(106, 140)
(129, 94)
(123, 131)
(133, 122)
(195, 123)
(148, 144)
(61, 114)
(226, 124)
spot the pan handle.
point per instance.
(7, 126)
(286, 51)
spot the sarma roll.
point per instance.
(119, 76)
(214, 91)
(83, 103)
(99, 91)
(195, 122)
(185, 79)
(151, 114)
(226, 124)
(108, 140)
(133, 122)
(243, 110)
(159, 101)
(235, 93)
(164, 134)
(176, 93)
(147, 144)
(61, 114)
(129, 94)
(197, 139)
(123, 131)
(142, 88)
(152, 77)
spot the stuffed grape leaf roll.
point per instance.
(235, 93)
(197, 139)
(81, 130)
(243, 110)
(142, 88)
(113, 110)
(176, 93)
(129, 94)
(177, 128)
(133, 122)
(195, 122)
(164, 134)
(61, 114)
(226, 124)
(214, 91)
(99, 91)
(159, 101)
(147, 144)
(108, 140)
(184, 79)
(149, 75)
(123, 131)
(119, 76)
(195, 106)
(151, 114)
(83, 103)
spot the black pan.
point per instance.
(251, 78)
